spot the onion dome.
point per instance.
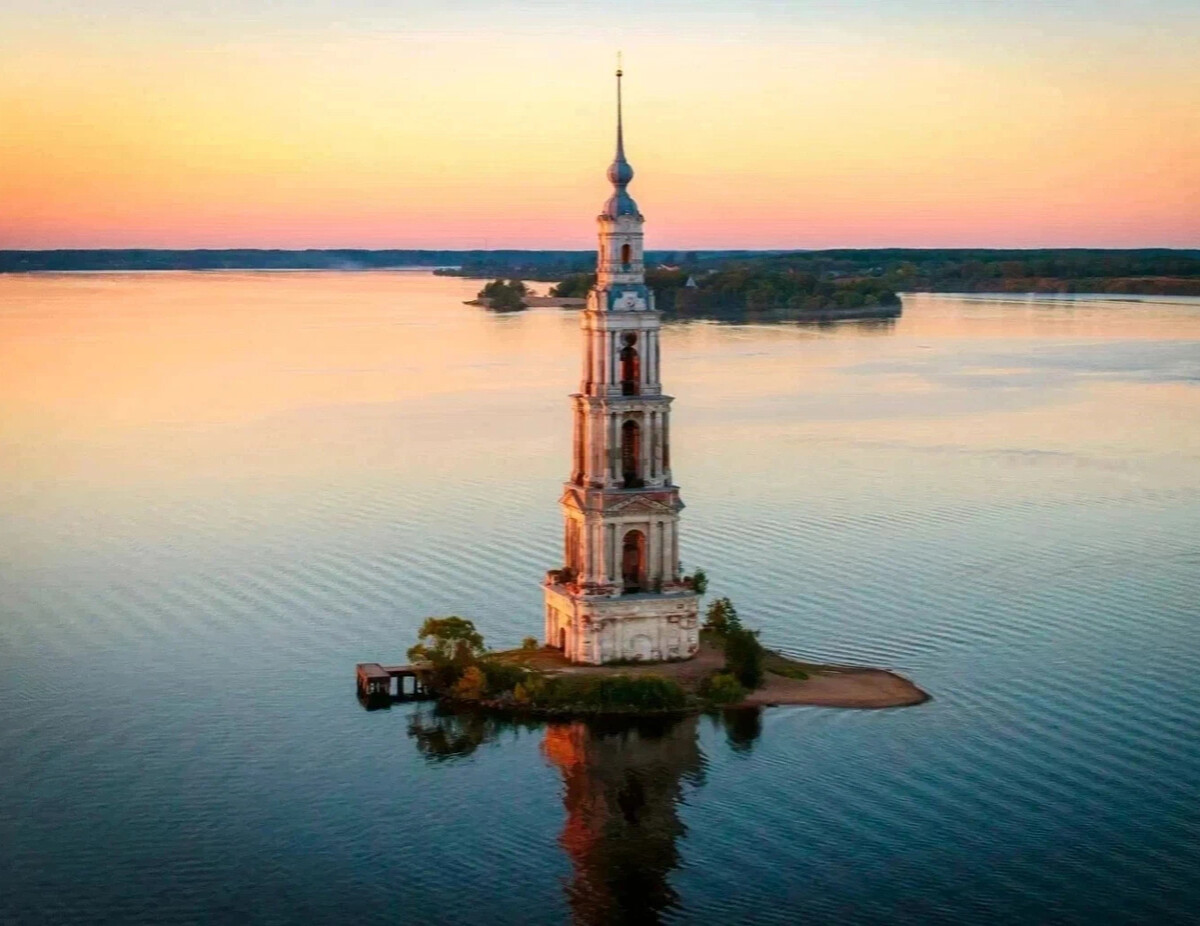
(620, 172)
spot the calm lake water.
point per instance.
(219, 492)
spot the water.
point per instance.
(219, 492)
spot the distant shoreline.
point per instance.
(1020, 271)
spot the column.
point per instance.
(674, 548)
(601, 553)
(666, 445)
(613, 449)
(612, 357)
(652, 541)
(657, 447)
(597, 448)
(587, 361)
(595, 370)
(577, 444)
(595, 552)
(644, 462)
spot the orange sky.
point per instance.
(493, 131)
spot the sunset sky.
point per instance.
(362, 123)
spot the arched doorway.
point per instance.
(626, 255)
(562, 638)
(633, 561)
(631, 455)
(631, 367)
(641, 647)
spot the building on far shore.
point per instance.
(620, 595)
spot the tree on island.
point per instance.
(574, 286)
(505, 296)
(451, 645)
(743, 653)
(721, 617)
(744, 657)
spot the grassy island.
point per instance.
(502, 296)
(731, 669)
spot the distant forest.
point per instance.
(758, 277)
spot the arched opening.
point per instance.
(633, 562)
(572, 551)
(562, 639)
(631, 367)
(626, 254)
(631, 455)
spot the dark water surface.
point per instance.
(219, 492)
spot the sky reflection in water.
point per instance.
(218, 492)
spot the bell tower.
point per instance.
(619, 594)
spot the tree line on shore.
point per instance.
(764, 274)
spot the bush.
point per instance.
(723, 688)
(575, 285)
(744, 656)
(501, 677)
(700, 582)
(530, 643)
(470, 684)
(722, 617)
(608, 692)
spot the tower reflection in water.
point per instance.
(622, 790)
(623, 783)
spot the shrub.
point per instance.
(723, 688)
(470, 684)
(530, 643)
(700, 582)
(501, 677)
(609, 692)
(744, 656)
(722, 617)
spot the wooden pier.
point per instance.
(375, 681)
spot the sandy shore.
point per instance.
(826, 685)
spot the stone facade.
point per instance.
(619, 595)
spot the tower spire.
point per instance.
(619, 171)
(620, 131)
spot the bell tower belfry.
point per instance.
(619, 594)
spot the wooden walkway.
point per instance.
(375, 681)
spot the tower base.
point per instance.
(641, 627)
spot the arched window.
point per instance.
(626, 255)
(631, 455)
(631, 366)
(572, 548)
(633, 562)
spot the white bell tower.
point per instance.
(619, 594)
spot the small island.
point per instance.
(513, 295)
(730, 670)
(766, 293)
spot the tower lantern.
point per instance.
(619, 594)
